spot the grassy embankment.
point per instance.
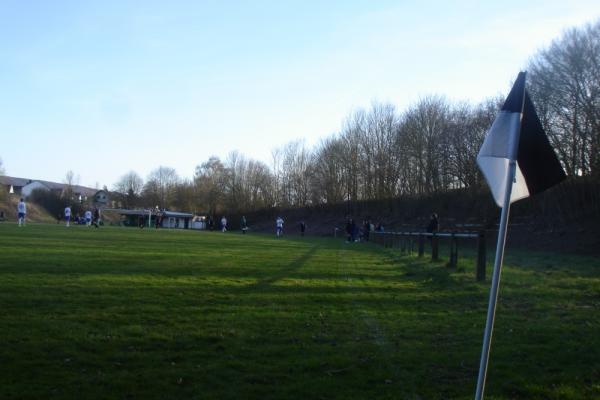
(129, 313)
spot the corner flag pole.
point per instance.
(491, 312)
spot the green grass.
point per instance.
(118, 313)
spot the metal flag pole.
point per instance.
(491, 312)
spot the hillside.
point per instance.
(35, 213)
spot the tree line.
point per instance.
(382, 152)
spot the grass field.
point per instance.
(145, 314)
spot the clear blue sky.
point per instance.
(104, 87)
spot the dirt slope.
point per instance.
(35, 213)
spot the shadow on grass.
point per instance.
(435, 275)
(287, 270)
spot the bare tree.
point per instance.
(381, 152)
(234, 186)
(328, 181)
(424, 128)
(565, 85)
(248, 184)
(295, 174)
(259, 185)
(466, 130)
(129, 187)
(2, 170)
(69, 181)
(160, 186)
(184, 196)
(276, 170)
(210, 180)
(352, 131)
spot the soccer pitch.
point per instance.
(164, 314)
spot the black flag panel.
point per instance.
(537, 167)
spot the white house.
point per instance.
(35, 185)
(59, 188)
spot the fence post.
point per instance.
(434, 247)
(481, 256)
(421, 245)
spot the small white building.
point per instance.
(148, 218)
(199, 222)
(174, 219)
(101, 198)
(35, 185)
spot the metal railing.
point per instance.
(407, 241)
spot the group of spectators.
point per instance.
(89, 218)
(356, 232)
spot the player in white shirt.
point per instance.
(88, 218)
(68, 215)
(223, 224)
(279, 226)
(22, 212)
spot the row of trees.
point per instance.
(565, 85)
(237, 184)
(381, 152)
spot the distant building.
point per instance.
(169, 219)
(35, 185)
(173, 219)
(101, 198)
(12, 184)
(24, 187)
(81, 193)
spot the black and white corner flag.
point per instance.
(537, 166)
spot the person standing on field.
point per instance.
(349, 230)
(434, 224)
(68, 215)
(96, 217)
(244, 224)
(366, 230)
(88, 218)
(223, 224)
(279, 226)
(21, 212)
